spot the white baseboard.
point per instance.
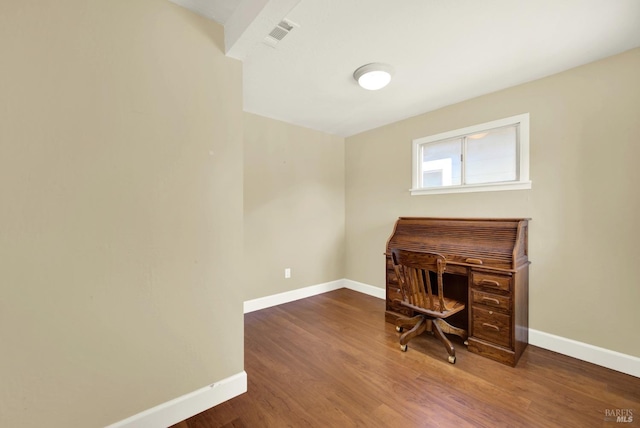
(312, 290)
(583, 351)
(190, 404)
(290, 296)
(378, 292)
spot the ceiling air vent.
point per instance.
(279, 32)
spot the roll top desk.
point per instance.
(487, 267)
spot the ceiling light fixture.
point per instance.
(373, 76)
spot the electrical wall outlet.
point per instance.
(287, 273)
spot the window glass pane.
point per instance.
(441, 164)
(491, 156)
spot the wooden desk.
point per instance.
(487, 262)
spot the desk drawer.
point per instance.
(393, 293)
(492, 326)
(389, 263)
(392, 279)
(497, 301)
(489, 280)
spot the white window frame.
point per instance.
(522, 150)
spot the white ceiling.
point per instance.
(443, 51)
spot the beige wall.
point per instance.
(121, 213)
(293, 206)
(584, 202)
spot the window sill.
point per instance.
(519, 185)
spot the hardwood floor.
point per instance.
(332, 361)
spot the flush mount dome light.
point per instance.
(373, 76)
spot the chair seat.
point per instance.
(453, 306)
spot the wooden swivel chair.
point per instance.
(412, 269)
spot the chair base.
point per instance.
(421, 323)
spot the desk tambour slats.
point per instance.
(492, 253)
(491, 241)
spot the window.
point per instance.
(485, 157)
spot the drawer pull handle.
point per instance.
(490, 282)
(487, 325)
(474, 261)
(491, 299)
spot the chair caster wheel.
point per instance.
(403, 348)
(452, 359)
(399, 329)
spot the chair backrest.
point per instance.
(412, 269)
